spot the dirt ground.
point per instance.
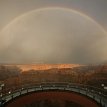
(52, 99)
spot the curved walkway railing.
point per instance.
(95, 93)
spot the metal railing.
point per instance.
(94, 93)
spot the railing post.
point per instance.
(41, 87)
(86, 91)
(93, 95)
(27, 90)
(20, 92)
(12, 95)
(78, 89)
(100, 101)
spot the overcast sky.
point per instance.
(58, 36)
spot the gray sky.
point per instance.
(53, 35)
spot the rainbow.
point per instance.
(49, 8)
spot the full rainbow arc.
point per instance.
(49, 8)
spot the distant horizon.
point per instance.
(50, 63)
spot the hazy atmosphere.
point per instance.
(53, 31)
